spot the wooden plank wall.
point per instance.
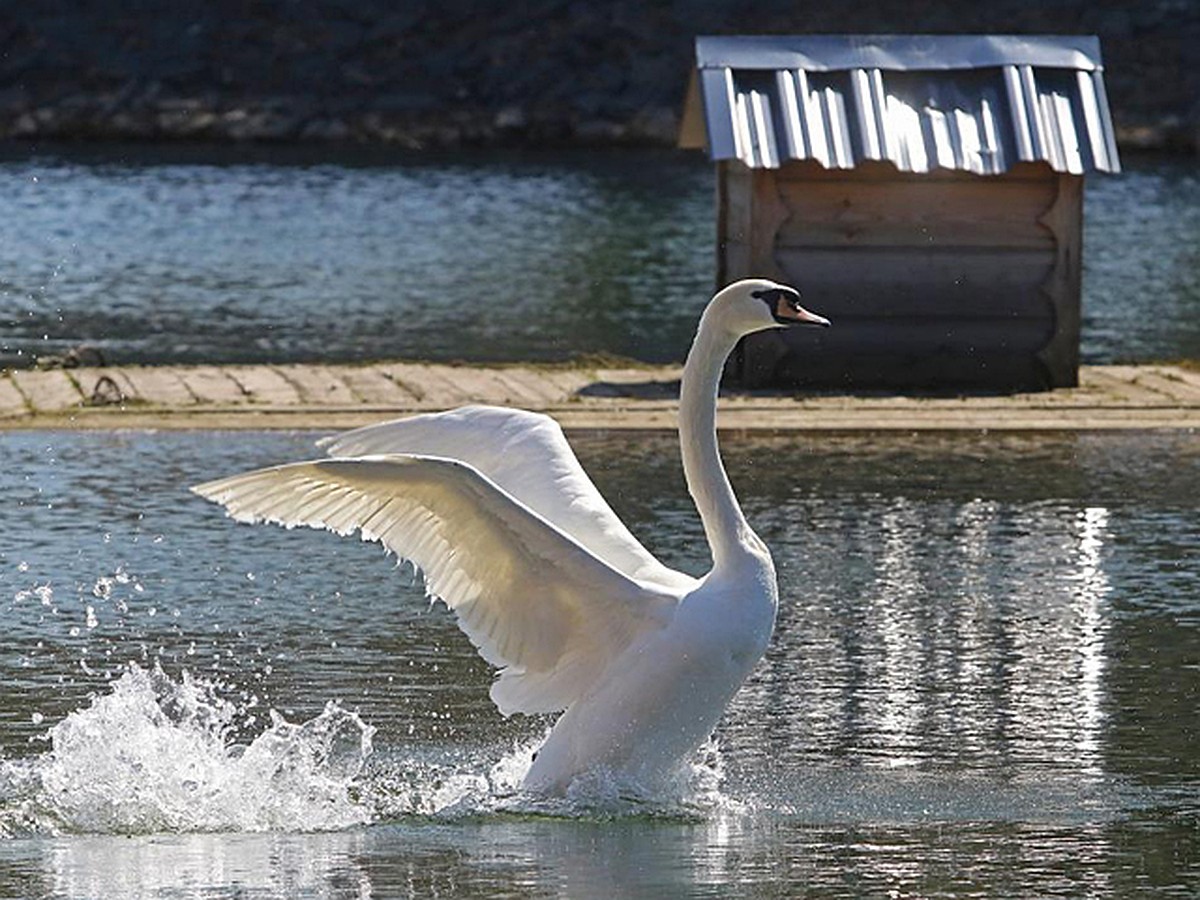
(934, 280)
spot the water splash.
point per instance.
(156, 754)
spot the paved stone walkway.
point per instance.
(344, 396)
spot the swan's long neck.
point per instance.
(724, 525)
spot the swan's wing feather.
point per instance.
(529, 597)
(527, 455)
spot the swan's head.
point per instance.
(756, 304)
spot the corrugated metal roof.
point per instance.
(970, 103)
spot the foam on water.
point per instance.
(472, 783)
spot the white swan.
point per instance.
(546, 581)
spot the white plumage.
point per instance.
(494, 508)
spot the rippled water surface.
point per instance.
(984, 681)
(274, 255)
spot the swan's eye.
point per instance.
(770, 296)
(778, 299)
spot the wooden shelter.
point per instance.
(924, 192)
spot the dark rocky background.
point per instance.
(422, 73)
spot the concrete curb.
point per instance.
(636, 398)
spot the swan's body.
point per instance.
(545, 579)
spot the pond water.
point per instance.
(983, 682)
(204, 255)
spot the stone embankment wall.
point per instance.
(430, 73)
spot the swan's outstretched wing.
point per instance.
(529, 597)
(527, 455)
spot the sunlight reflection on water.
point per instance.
(985, 653)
